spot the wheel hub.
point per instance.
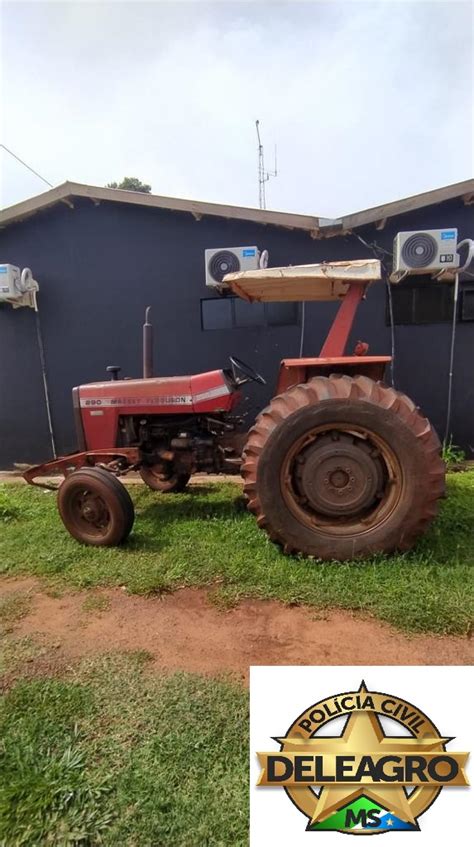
(92, 509)
(339, 474)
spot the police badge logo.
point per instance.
(365, 780)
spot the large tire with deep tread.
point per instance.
(173, 483)
(95, 507)
(386, 438)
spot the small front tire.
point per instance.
(95, 507)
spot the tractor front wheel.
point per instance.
(95, 507)
(343, 467)
(166, 483)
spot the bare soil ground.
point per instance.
(185, 631)
(131, 478)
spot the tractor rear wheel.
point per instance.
(167, 483)
(343, 467)
(95, 507)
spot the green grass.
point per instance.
(17, 653)
(8, 510)
(205, 537)
(111, 755)
(13, 607)
(96, 603)
(452, 454)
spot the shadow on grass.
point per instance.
(449, 541)
(195, 491)
(171, 509)
(158, 520)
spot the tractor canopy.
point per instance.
(326, 281)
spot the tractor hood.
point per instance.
(210, 391)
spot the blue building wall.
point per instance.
(99, 266)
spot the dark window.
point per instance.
(248, 314)
(421, 302)
(467, 304)
(234, 313)
(403, 305)
(216, 314)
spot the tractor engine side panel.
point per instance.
(99, 425)
(103, 404)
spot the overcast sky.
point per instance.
(366, 101)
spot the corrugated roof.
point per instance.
(316, 226)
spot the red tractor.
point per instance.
(338, 465)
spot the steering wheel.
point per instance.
(249, 374)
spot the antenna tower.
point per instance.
(263, 175)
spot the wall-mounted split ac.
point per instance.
(428, 251)
(17, 287)
(226, 260)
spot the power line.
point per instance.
(27, 166)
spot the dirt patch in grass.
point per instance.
(14, 605)
(185, 631)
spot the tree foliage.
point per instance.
(131, 183)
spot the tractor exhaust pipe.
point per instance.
(147, 346)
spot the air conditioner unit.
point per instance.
(17, 287)
(9, 282)
(226, 260)
(428, 251)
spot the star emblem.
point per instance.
(363, 733)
